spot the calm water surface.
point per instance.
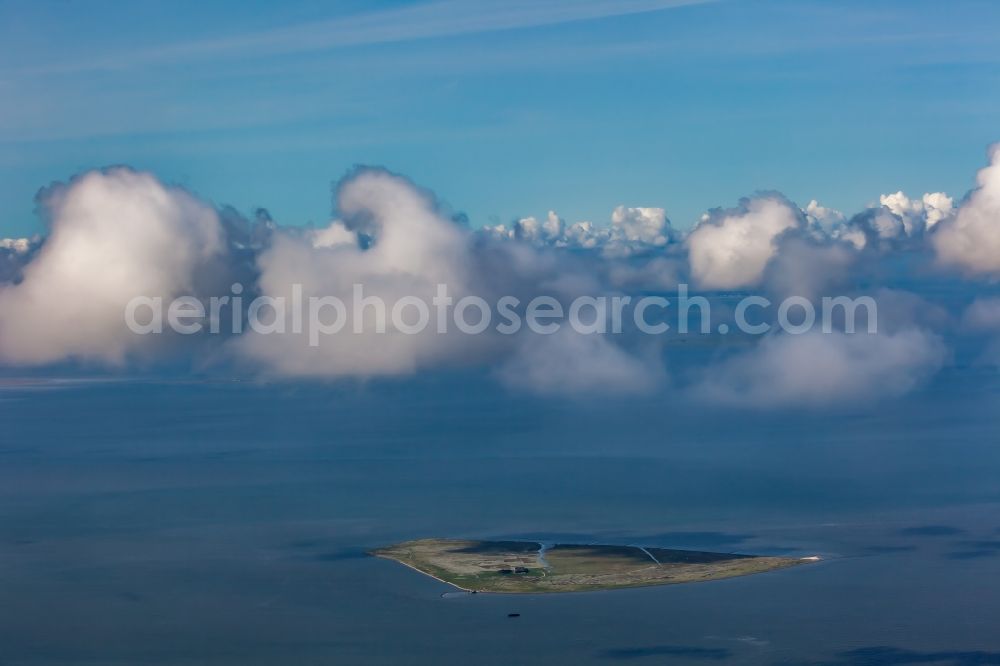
(226, 523)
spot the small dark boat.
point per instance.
(513, 615)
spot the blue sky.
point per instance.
(506, 109)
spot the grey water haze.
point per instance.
(193, 522)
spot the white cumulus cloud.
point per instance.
(731, 249)
(817, 369)
(115, 234)
(567, 362)
(970, 241)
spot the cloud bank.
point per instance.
(117, 233)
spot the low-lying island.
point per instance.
(532, 567)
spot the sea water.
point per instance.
(206, 522)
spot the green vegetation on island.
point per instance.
(531, 567)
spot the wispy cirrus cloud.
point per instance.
(445, 18)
